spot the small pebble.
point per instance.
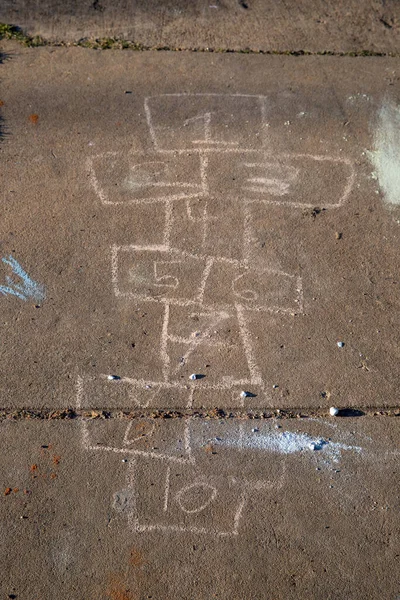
(193, 376)
(255, 429)
(124, 460)
(244, 394)
(275, 386)
(333, 411)
(111, 377)
(340, 344)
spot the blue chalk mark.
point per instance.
(24, 290)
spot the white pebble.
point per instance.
(124, 460)
(340, 344)
(333, 411)
(111, 377)
(244, 394)
(275, 386)
(193, 376)
(255, 429)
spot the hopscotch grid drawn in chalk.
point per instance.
(192, 277)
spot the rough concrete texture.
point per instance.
(231, 217)
(304, 25)
(232, 228)
(235, 522)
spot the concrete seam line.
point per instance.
(12, 32)
(216, 414)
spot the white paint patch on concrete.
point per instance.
(288, 442)
(386, 155)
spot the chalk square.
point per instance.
(205, 121)
(121, 178)
(179, 498)
(157, 274)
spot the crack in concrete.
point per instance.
(207, 414)
(12, 32)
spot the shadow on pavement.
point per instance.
(3, 57)
(351, 412)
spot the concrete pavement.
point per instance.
(260, 25)
(213, 234)
(273, 518)
(141, 236)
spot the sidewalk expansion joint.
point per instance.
(12, 32)
(207, 414)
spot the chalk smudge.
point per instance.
(289, 442)
(25, 288)
(386, 156)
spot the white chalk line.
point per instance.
(183, 529)
(204, 257)
(205, 94)
(162, 456)
(165, 359)
(300, 294)
(168, 223)
(114, 270)
(247, 234)
(176, 339)
(255, 373)
(203, 283)
(166, 492)
(220, 306)
(142, 384)
(215, 143)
